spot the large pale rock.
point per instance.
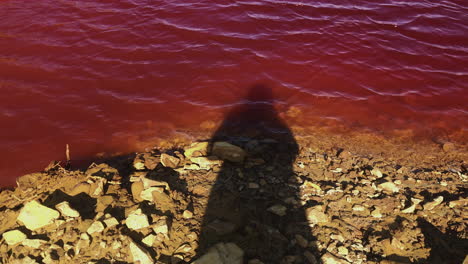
(34, 215)
(65, 209)
(388, 187)
(139, 254)
(137, 220)
(315, 215)
(169, 161)
(227, 151)
(222, 253)
(14, 237)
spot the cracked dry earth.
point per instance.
(151, 207)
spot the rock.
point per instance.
(151, 162)
(227, 151)
(160, 227)
(376, 213)
(97, 187)
(187, 214)
(149, 240)
(343, 251)
(301, 241)
(459, 203)
(431, 205)
(14, 237)
(137, 188)
(163, 201)
(411, 209)
(66, 211)
(315, 215)
(110, 222)
(255, 261)
(34, 243)
(139, 163)
(200, 148)
(34, 215)
(205, 163)
(388, 187)
(329, 258)
(147, 194)
(221, 227)
(310, 257)
(137, 220)
(139, 254)
(377, 173)
(169, 161)
(222, 253)
(278, 209)
(449, 147)
(95, 227)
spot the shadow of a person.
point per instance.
(255, 204)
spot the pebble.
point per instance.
(169, 161)
(149, 240)
(110, 222)
(228, 151)
(389, 187)
(329, 258)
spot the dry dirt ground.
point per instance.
(247, 201)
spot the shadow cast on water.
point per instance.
(244, 196)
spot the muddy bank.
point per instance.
(153, 207)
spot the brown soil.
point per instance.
(365, 199)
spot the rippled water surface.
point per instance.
(111, 76)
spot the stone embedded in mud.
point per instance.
(315, 215)
(329, 258)
(137, 220)
(222, 253)
(95, 227)
(431, 205)
(14, 237)
(278, 209)
(227, 151)
(139, 254)
(169, 161)
(34, 215)
(66, 211)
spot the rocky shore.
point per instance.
(150, 208)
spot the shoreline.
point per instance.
(367, 201)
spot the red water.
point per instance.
(112, 76)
